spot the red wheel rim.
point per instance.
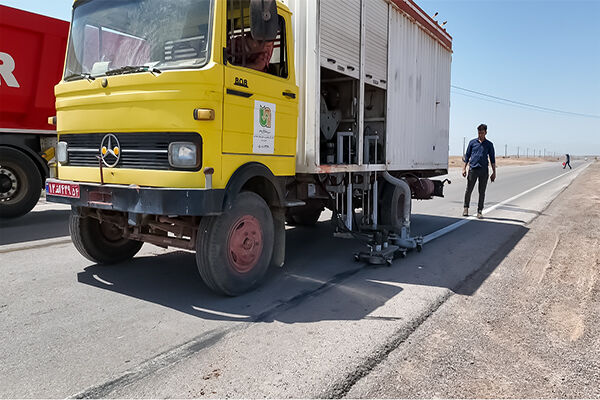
(245, 244)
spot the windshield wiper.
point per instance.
(131, 69)
(84, 75)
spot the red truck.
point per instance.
(32, 53)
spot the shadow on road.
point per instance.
(317, 264)
(36, 225)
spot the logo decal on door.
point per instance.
(263, 141)
(265, 117)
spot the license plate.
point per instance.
(63, 190)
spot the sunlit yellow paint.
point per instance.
(144, 102)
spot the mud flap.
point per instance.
(278, 257)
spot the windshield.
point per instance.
(107, 35)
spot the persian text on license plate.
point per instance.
(63, 189)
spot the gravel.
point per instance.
(532, 330)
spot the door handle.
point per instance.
(239, 93)
(291, 95)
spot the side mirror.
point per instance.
(264, 21)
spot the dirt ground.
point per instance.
(532, 330)
(456, 161)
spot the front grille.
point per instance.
(138, 150)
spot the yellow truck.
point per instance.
(207, 124)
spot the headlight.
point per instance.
(184, 155)
(62, 154)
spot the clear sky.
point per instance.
(544, 53)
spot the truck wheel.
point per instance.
(391, 209)
(234, 249)
(101, 242)
(20, 183)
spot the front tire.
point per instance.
(234, 249)
(101, 242)
(20, 183)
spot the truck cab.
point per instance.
(173, 115)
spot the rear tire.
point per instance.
(20, 183)
(102, 243)
(391, 209)
(234, 249)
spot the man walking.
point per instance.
(567, 162)
(476, 158)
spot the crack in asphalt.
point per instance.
(340, 389)
(205, 341)
(163, 360)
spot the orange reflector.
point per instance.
(204, 114)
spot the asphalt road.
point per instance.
(531, 331)
(150, 328)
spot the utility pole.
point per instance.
(517, 151)
(464, 148)
(527, 153)
(505, 150)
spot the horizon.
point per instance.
(533, 86)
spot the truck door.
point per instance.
(260, 93)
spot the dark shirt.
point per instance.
(478, 152)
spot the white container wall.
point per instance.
(418, 98)
(308, 75)
(376, 43)
(418, 83)
(340, 36)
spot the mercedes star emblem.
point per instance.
(110, 150)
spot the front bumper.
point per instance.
(144, 200)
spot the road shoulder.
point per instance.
(530, 330)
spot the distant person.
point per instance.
(476, 158)
(567, 162)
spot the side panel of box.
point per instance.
(306, 49)
(340, 36)
(418, 98)
(418, 93)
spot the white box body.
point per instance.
(391, 44)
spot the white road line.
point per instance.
(96, 277)
(221, 313)
(456, 225)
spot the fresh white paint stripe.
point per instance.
(96, 277)
(456, 225)
(221, 313)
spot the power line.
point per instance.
(505, 104)
(500, 102)
(540, 108)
